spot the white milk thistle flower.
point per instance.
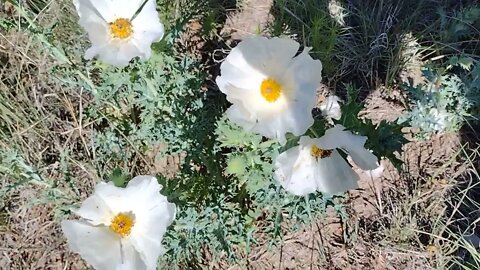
(122, 228)
(316, 165)
(116, 34)
(271, 89)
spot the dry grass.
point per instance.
(45, 141)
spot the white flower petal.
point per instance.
(138, 248)
(334, 175)
(135, 197)
(125, 8)
(148, 22)
(376, 173)
(98, 33)
(117, 199)
(132, 258)
(295, 172)
(269, 56)
(247, 98)
(114, 55)
(304, 73)
(244, 78)
(148, 240)
(95, 210)
(99, 246)
(363, 158)
(240, 116)
(353, 145)
(91, 10)
(148, 29)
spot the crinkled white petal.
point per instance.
(295, 172)
(95, 17)
(117, 199)
(93, 9)
(256, 59)
(268, 56)
(330, 108)
(300, 173)
(95, 210)
(148, 239)
(140, 196)
(126, 8)
(153, 215)
(148, 29)
(334, 175)
(99, 246)
(352, 144)
(132, 258)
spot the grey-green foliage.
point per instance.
(226, 221)
(151, 103)
(439, 105)
(472, 84)
(460, 30)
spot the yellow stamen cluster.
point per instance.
(121, 28)
(317, 152)
(122, 224)
(270, 90)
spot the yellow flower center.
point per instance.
(318, 152)
(270, 90)
(122, 224)
(121, 28)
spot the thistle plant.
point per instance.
(439, 105)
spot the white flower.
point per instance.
(122, 228)
(116, 35)
(272, 91)
(330, 108)
(316, 165)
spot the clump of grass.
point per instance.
(368, 48)
(311, 23)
